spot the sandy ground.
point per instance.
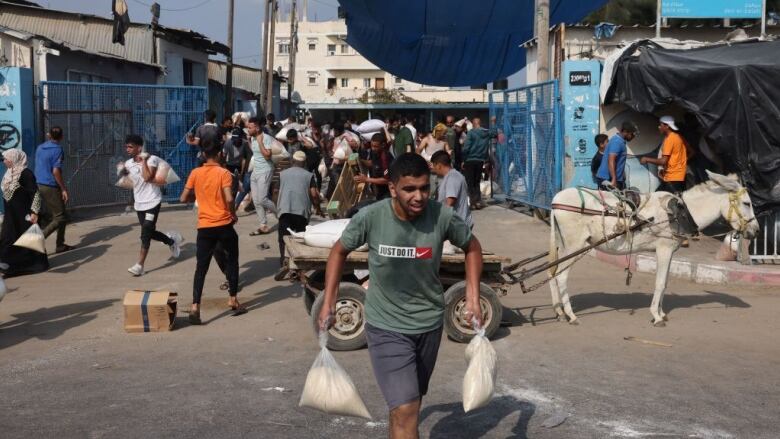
(68, 369)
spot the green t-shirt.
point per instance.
(404, 293)
(403, 138)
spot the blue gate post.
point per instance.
(559, 150)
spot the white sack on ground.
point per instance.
(371, 126)
(480, 379)
(329, 389)
(325, 234)
(33, 239)
(484, 188)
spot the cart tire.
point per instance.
(349, 332)
(308, 299)
(455, 302)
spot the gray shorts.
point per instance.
(403, 363)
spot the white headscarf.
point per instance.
(10, 182)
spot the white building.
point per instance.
(328, 70)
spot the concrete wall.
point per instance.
(172, 56)
(15, 52)
(115, 71)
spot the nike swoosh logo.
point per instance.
(421, 254)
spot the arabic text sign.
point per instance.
(712, 8)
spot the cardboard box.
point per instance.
(150, 311)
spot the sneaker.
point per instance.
(176, 246)
(136, 270)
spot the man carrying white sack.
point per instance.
(404, 306)
(141, 168)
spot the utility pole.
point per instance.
(264, 62)
(228, 106)
(293, 50)
(658, 11)
(269, 94)
(542, 40)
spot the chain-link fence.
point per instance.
(96, 117)
(529, 150)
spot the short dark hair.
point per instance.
(270, 116)
(292, 132)
(600, 138)
(209, 147)
(210, 115)
(441, 157)
(55, 133)
(256, 121)
(135, 139)
(378, 137)
(338, 128)
(408, 165)
(629, 127)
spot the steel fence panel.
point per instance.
(96, 117)
(765, 247)
(529, 150)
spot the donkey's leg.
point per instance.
(563, 277)
(663, 254)
(556, 299)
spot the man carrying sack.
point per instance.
(404, 305)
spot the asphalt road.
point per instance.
(67, 368)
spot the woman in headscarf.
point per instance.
(22, 202)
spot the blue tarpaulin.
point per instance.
(450, 42)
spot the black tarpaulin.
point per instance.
(734, 91)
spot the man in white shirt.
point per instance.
(262, 173)
(141, 169)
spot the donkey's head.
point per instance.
(736, 208)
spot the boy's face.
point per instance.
(133, 149)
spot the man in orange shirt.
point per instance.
(674, 158)
(211, 185)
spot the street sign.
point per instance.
(712, 8)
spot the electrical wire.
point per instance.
(175, 10)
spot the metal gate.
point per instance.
(529, 151)
(96, 117)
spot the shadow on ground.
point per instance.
(479, 423)
(104, 234)
(49, 323)
(66, 262)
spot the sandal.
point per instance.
(261, 231)
(238, 310)
(224, 286)
(194, 318)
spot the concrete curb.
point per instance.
(720, 273)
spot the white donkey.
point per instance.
(571, 230)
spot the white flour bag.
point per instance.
(325, 234)
(165, 174)
(480, 379)
(33, 239)
(329, 389)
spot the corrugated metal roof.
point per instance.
(92, 34)
(245, 78)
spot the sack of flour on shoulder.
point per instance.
(33, 239)
(329, 389)
(165, 174)
(480, 379)
(124, 182)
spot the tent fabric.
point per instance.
(447, 42)
(731, 89)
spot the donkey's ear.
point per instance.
(730, 184)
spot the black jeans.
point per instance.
(148, 220)
(211, 239)
(673, 187)
(296, 223)
(472, 171)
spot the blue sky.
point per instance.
(210, 18)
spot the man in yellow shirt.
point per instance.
(674, 158)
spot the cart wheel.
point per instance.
(348, 333)
(455, 323)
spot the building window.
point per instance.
(344, 82)
(331, 49)
(398, 80)
(344, 49)
(187, 72)
(312, 80)
(366, 82)
(284, 48)
(312, 46)
(501, 84)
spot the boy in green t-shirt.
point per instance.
(404, 306)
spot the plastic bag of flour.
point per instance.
(278, 151)
(322, 169)
(371, 126)
(329, 389)
(165, 174)
(33, 239)
(480, 379)
(325, 234)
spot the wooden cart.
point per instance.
(308, 267)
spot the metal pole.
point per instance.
(228, 105)
(293, 51)
(543, 40)
(658, 19)
(763, 19)
(269, 95)
(264, 62)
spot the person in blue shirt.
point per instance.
(613, 166)
(51, 185)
